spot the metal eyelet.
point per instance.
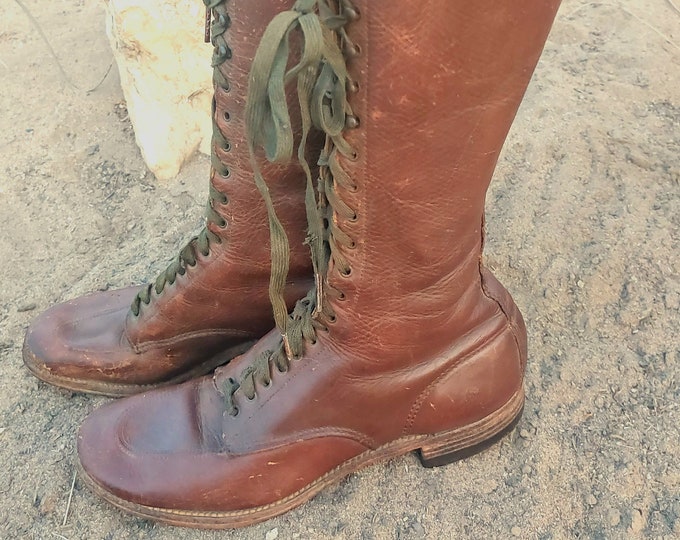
(346, 273)
(226, 173)
(352, 50)
(227, 116)
(236, 411)
(351, 12)
(227, 146)
(352, 122)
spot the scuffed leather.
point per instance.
(426, 340)
(221, 302)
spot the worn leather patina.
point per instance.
(407, 342)
(214, 296)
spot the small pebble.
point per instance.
(524, 434)
(516, 531)
(26, 307)
(637, 522)
(526, 469)
(489, 486)
(613, 517)
(641, 161)
(591, 500)
(272, 535)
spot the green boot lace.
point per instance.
(200, 245)
(322, 82)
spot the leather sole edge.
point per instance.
(434, 450)
(103, 388)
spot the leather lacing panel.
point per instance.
(218, 22)
(323, 83)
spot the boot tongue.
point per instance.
(321, 76)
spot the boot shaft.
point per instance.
(435, 95)
(236, 29)
(237, 262)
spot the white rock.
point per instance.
(272, 535)
(165, 73)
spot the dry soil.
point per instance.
(583, 228)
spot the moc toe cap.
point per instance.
(166, 452)
(81, 338)
(152, 450)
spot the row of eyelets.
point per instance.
(217, 23)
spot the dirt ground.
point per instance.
(583, 228)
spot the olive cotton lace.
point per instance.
(322, 82)
(200, 244)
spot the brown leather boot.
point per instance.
(213, 297)
(408, 342)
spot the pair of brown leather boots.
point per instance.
(398, 339)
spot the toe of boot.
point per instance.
(149, 451)
(75, 343)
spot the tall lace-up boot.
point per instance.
(406, 343)
(213, 297)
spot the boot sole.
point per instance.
(433, 450)
(108, 389)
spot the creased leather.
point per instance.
(426, 339)
(221, 303)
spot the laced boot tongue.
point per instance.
(303, 328)
(217, 22)
(322, 80)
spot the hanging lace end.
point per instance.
(208, 22)
(286, 347)
(318, 281)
